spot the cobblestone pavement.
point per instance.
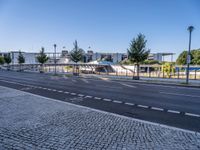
(32, 122)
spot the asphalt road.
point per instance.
(171, 105)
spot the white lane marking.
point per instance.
(173, 111)
(179, 94)
(106, 99)
(66, 92)
(81, 95)
(54, 90)
(44, 88)
(156, 108)
(143, 106)
(97, 98)
(84, 80)
(115, 101)
(193, 115)
(60, 91)
(131, 104)
(74, 80)
(49, 89)
(127, 85)
(88, 96)
(73, 93)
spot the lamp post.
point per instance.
(190, 29)
(55, 58)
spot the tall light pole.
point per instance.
(55, 58)
(190, 29)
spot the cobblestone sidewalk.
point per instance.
(33, 122)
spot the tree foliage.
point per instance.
(2, 61)
(7, 58)
(137, 52)
(42, 57)
(21, 58)
(195, 58)
(77, 54)
(168, 68)
(151, 62)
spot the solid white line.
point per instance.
(156, 108)
(131, 104)
(117, 101)
(127, 85)
(173, 111)
(193, 115)
(108, 100)
(179, 94)
(97, 98)
(143, 106)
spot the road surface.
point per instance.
(169, 105)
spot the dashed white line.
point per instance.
(173, 111)
(49, 89)
(54, 90)
(131, 104)
(66, 92)
(193, 115)
(81, 95)
(73, 93)
(143, 106)
(156, 108)
(60, 91)
(106, 99)
(97, 98)
(88, 96)
(115, 101)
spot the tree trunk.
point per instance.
(137, 77)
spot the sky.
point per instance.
(103, 25)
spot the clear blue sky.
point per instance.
(104, 25)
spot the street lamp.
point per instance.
(190, 29)
(55, 58)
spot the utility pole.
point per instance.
(55, 58)
(190, 29)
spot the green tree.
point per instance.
(21, 59)
(42, 58)
(168, 68)
(77, 54)
(137, 52)
(195, 57)
(182, 58)
(7, 58)
(2, 61)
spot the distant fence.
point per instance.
(151, 71)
